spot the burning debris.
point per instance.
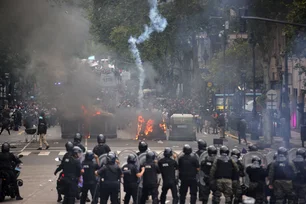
(150, 129)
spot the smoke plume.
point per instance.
(158, 24)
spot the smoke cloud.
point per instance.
(158, 24)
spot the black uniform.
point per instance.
(299, 183)
(72, 173)
(110, 175)
(89, 180)
(237, 191)
(206, 165)
(130, 182)
(101, 149)
(79, 144)
(257, 176)
(167, 167)
(150, 183)
(188, 165)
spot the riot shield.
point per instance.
(247, 161)
(103, 159)
(161, 155)
(270, 156)
(193, 154)
(292, 154)
(123, 155)
(142, 157)
(201, 173)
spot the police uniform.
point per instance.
(257, 175)
(89, 178)
(237, 191)
(206, 165)
(110, 175)
(188, 169)
(299, 183)
(150, 183)
(222, 172)
(72, 173)
(142, 147)
(130, 182)
(101, 148)
(77, 142)
(167, 167)
(281, 174)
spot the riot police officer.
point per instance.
(89, 178)
(257, 175)
(131, 176)
(6, 159)
(150, 183)
(223, 170)
(281, 174)
(237, 191)
(188, 169)
(206, 165)
(269, 191)
(142, 147)
(110, 175)
(102, 147)
(69, 149)
(167, 167)
(201, 147)
(299, 183)
(77, 141)
(72, 172)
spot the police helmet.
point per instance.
(77, 137)
(256, 159)
(5, 147)
(168, 152)
(77, 150)
(142, 146)
(253, 148)
(236, 152)
(212, 150)
(131, 159)
(69, 146)
(111, 158)
(202, 144)
(301, 152)
(101, 139)
(187, 149)
(89, 156)
(150, 156)
(224, 150)
(282, 151)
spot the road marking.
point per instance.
(61, 153)
(43, 153)
(25, 153)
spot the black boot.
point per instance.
(18, 197)
(59, 198)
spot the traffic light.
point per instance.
(242, 22)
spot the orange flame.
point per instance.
(139, 125)
(149, 127)
(163, 126)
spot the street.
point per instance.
(39, 165)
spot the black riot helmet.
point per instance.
(253, 148)
(236, 152)
(187, 149)
(89, 156)
(77, 151)
(150, 156)
(69, 146)
(256, 159)
(142, 146)
(224, 150)
(168, 152)
(101, 139)
(5, 147)
(111, 158)
(131, 159)
(301, 152)
(202, 144)
(212, 150)
(78, 138)
(282, 151)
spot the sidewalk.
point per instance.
(295, 141)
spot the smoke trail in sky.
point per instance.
(157, 23)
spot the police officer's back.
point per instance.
(201, 147)
(188, 169)
(167, 167)
(150, 180)
(110, 175)
(72, 173)
(142, 147)
(131, 177)
(77, 142)
(102, 147)
(299, 183)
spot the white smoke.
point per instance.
(158, 24)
